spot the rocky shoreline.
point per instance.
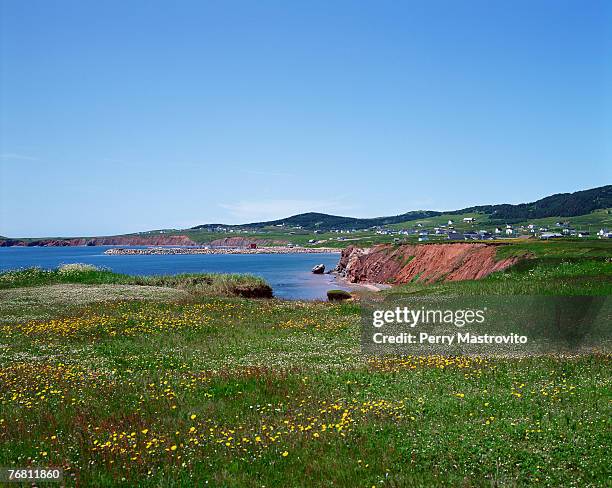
(203, 250)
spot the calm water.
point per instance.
(288, 274)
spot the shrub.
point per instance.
(338, 295)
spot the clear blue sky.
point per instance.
(119, 116)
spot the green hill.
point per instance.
(559, 205)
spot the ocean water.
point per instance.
(288, 274)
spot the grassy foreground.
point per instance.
(202, 283)
(211, 388)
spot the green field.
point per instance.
(180, 382)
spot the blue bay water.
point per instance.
(288, 274)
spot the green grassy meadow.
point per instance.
(199, 386)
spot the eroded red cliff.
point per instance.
(426, 263)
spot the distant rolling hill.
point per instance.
(559, 205)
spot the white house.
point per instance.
(509, 231)
(469, 220)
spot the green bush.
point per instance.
(338, 295)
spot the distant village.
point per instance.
(446, 231)
(507, 231)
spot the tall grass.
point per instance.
(205, 283)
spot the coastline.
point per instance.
(370, 286)
(200, 250)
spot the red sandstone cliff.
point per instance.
(105, 241)
(427, 263)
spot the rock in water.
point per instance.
(319, 269)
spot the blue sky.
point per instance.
(125, 116)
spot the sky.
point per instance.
(120, 116)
